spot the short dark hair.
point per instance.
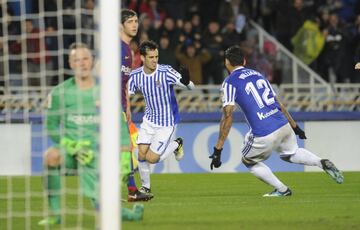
(235, 55)
(126, 14)
(147, 45)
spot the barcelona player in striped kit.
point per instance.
(156, 82)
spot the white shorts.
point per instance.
(156, 136)
(257, 149)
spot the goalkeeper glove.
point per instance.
(85, 156)
(69, 145)
(185, 75)
(80, 149)
(216, 158)
(298, 131)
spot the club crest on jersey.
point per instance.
(158, 84)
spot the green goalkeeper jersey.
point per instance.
(72, 112)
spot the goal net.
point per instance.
(42, 111)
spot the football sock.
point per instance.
(53, 185)
(169, 150)
(263, 172)
(303, 156)
(144, 171)
(131, 180)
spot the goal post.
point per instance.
(35, 37)
(110, 114)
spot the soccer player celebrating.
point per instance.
(156, 135)
(128, 30)
(271, 126)
(72, 124)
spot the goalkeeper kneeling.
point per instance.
(72, 123)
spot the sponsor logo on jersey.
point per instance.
(125, 69)
(84, 119)
(262, 116)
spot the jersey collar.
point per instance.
(157, 67)
(237, 68)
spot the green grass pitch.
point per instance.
(216, 201)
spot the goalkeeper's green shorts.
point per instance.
(88, 174)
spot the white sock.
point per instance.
(169, 150)
(264, 173)
(303, 156)
(144, 171)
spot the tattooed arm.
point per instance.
(225, 125)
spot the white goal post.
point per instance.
(35, 37)
(110, 113)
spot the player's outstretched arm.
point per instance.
(298, 131)
(185, 77)
(225, 126)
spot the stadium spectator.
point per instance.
(257, 60)
(299, 13)
(36, 51)
(196, 25)
(74, 150)
(156, 135)
(166, 52)
(231, 36)
(193, 57)
(153, 10)
(271, 126)
(213, 42)
(88, 23)
(334, 51)
(175, 8)
(50, 6)
(169, 30)
(187, 34)
(12, 27)
(265, 14)
(146, 26)
(309, 41)
(52, 44)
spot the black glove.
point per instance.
(216, 158)
(185, 75)
(298, 131)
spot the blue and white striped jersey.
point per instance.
(160, 103)
(255, 96)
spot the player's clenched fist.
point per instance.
(357, 66)
(216, 158)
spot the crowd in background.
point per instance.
(324, 34)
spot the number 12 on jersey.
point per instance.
(254, 91)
